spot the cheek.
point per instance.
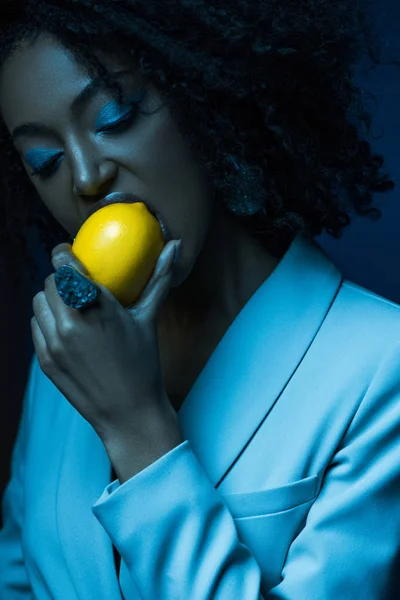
(63, 211)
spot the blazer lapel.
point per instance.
(257, 356)
(84, 474)
(233, 394)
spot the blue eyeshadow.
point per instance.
(111, 112)
(40, 156)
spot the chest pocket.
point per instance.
(267, 522)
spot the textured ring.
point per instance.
(75, 289)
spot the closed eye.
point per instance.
(47, 168)
(122, 123)
(118, 126)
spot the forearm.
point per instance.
(175, 534)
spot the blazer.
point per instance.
(285, 488)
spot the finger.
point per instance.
(38, 338)
(162, 265)
(63, 255)
(64, 314)
(45, 320)
(154, 294)
(39, 342)
(60, 310)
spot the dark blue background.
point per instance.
(369, 252)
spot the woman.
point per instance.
(234, 433)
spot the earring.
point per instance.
(253, 199)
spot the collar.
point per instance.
(257, 356)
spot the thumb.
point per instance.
(154, 294)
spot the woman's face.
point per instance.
(92, 155)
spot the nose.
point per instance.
(94, 180)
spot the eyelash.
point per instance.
(117, 126)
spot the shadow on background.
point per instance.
(367, 253)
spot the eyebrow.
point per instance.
(77, 105)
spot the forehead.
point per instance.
(42, 74)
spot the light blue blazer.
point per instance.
(286, 487)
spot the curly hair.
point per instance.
(262, 90)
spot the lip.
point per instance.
(121, 197)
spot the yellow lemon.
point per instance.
(119, 245)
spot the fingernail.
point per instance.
(177, 250)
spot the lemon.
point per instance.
(119, 245)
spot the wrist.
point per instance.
(133, 447)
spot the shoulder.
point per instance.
(366, 316)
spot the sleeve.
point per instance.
(178, 538)
(14, 584)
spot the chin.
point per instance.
(183, 273)
(179, 278)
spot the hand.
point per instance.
(105, 360)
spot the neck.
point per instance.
(196, 315)
(228, 271)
